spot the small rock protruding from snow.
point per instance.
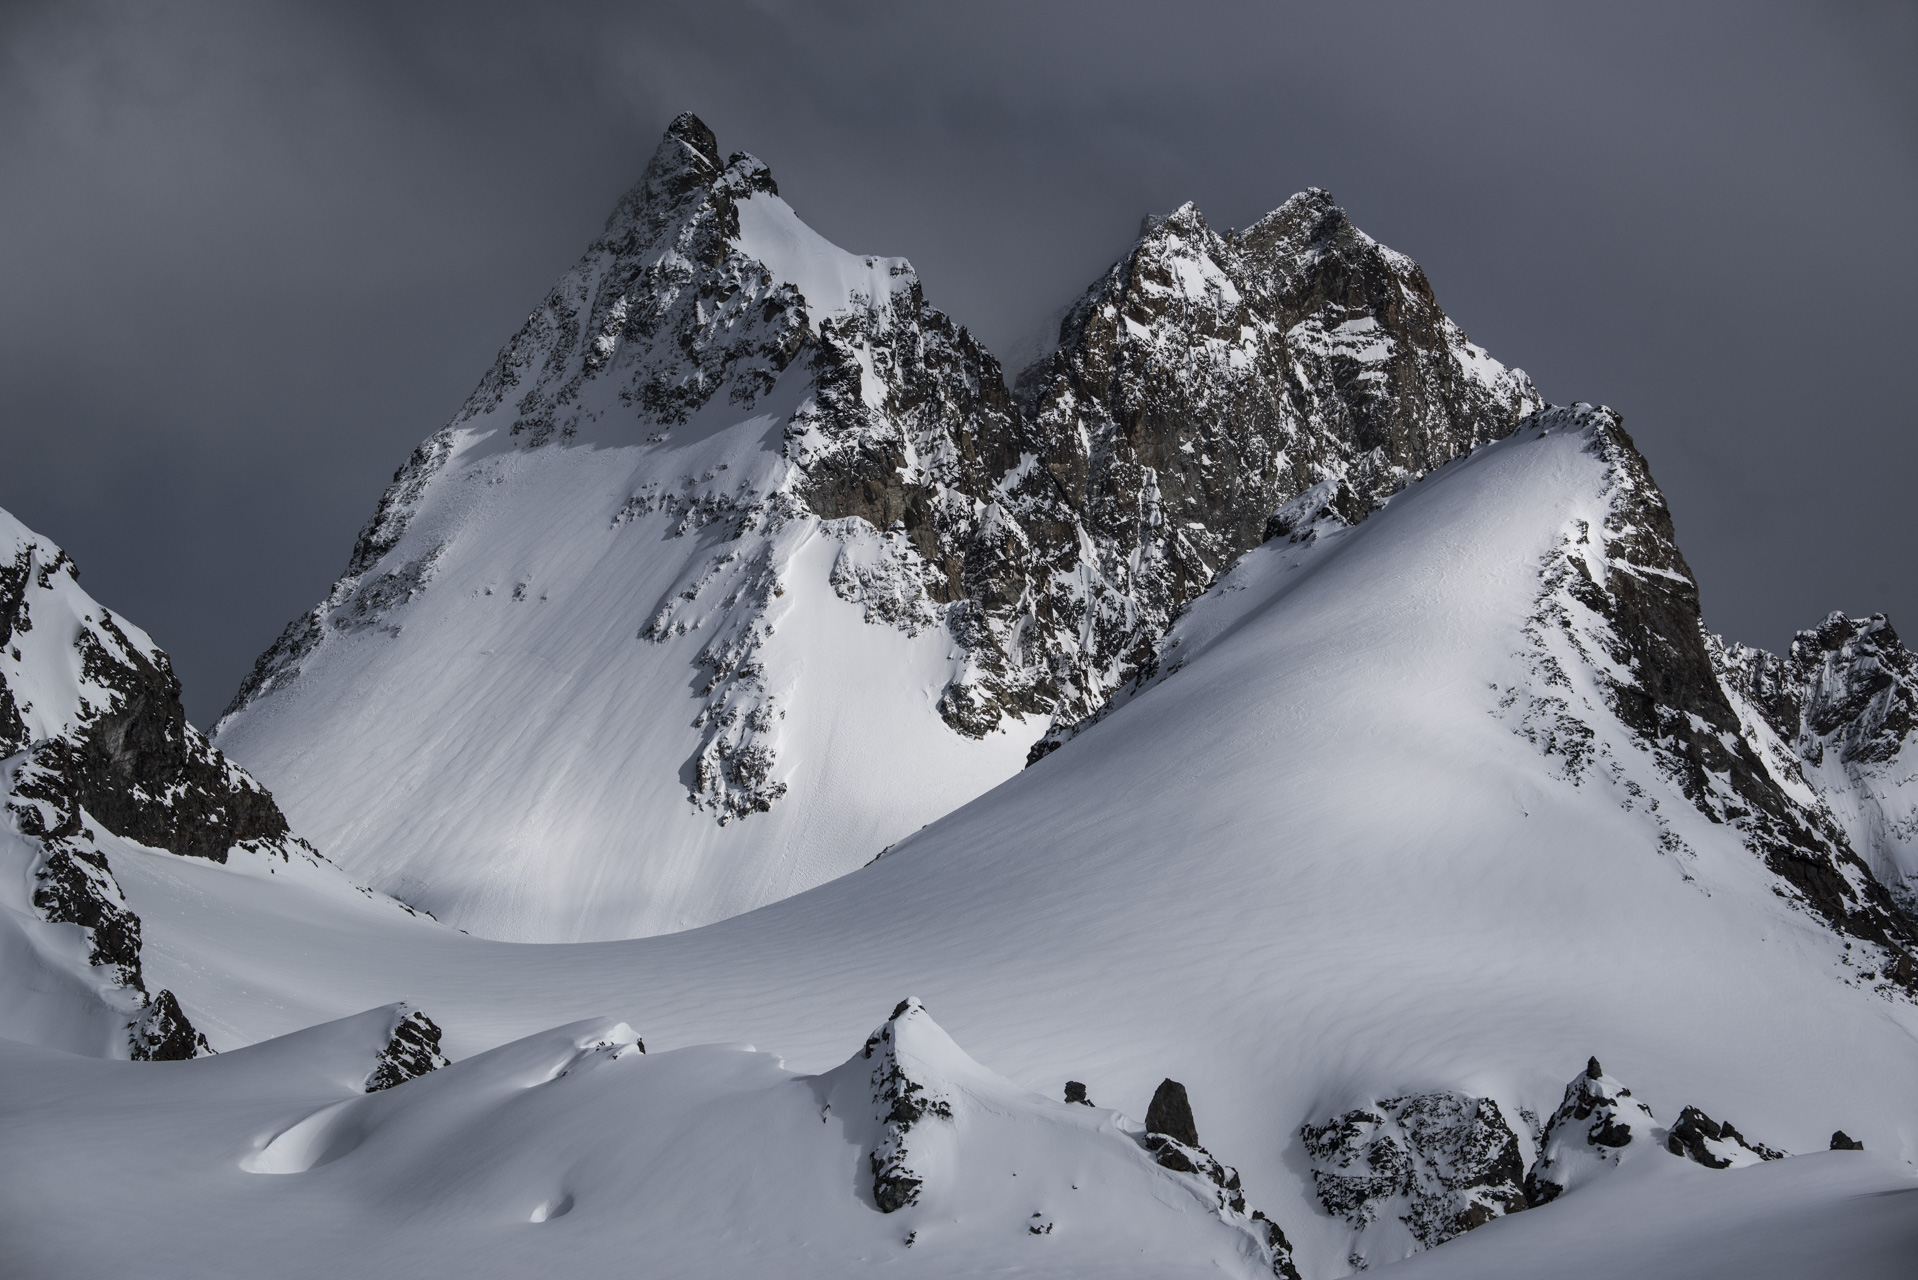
(1714, 1145)
(900, 1103)
(1440, 1164)
(1592, 1127)
(1841, 1141)
(412, 1050)
(1076, 1092)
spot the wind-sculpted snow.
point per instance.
(863, 575)
(575, 1149)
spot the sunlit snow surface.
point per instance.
(1310, 868)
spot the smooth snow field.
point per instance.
(1310, 868)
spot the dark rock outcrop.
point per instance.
(1705, 1141)
(1844, 704)
(110, 754)
(1172, 1137)
(1170, 1113)
(902, 1104)
(410, 1052)
(1595, 1122)
(1841, 1141)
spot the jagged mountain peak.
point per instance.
(713, 391)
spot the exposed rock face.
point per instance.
(90, 710)
(1619, 640)
(1841, 1141)
(1206, 381)
(410, 1052)
(1439, 1164)
(1844, 701)
(1594, 1125)
(163, 1033)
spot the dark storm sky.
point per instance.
(251, 254)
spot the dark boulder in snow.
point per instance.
(412, 1050)
(1841, 1141)
(1438, 1164)
(1170, 1113)
(1076, 1092)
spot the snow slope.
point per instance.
(1343, 848)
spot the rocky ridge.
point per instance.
(97, 748)
(1618, 642)
(1843, 701)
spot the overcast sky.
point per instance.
(251, 254)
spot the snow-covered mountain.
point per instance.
(97, 760)
(1411, 821)
(742, 563)
(1403, 874)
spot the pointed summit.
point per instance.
(689, 130)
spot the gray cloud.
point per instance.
(255, 252)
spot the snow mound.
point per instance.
(707, 1160)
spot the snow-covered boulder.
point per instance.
(1597, 1125)
(1410, 1173)
(412, 1049)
